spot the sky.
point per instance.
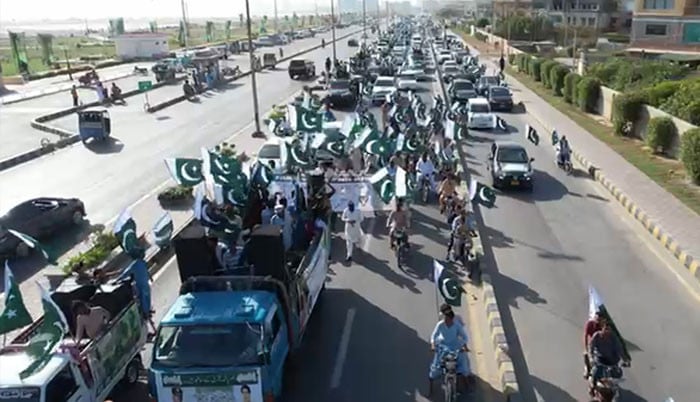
(25, 10)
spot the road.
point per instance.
(548, 246)
(17, 135)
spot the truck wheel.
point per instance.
(22, 250)
(131, 374)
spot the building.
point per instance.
(598, 14)
(504, 8)
(667, 25)
(145, 45)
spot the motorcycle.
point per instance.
(564, 163)
(425, 188)
(608, 388)
(140, 70)
(189, 92)
(231, 72)
(117, 98)
(400, 247)
(448, 366)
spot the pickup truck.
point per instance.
(90, 370)
(255, 314)
(302, 69)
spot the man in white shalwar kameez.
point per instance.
(353, 232)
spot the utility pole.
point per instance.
(364, 18)
(65, 52)
(333, 29)
(184, 24)
(276, 30)
(253, 65)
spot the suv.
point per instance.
(302, 68)
(510, 165)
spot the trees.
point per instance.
(522, 27)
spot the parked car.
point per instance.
(270, 154)
(500, 98)
(39, 218)
(479, 115)
(449, 73)
(407, 81)
(301, 68)
(510, 165)
(264, 41)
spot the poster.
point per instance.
(239, 386)
(360, 192)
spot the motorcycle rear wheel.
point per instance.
(450, 389)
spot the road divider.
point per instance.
(506, 369)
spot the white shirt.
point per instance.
(425, 167)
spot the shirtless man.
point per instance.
(398, 221)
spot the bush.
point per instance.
(175, 193)
(536, 68)
(660, 134)
(658, 94)
(556, 78)
(102, 245)
(482, 22)
(626, 109)
(545, 71)
(511, 57)
(480, 36)
(570, 81)
(684, 103)
(588, 92)
(523, 62)
(690, 153)
(623, 74)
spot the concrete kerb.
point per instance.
(178, 99)
(689, 262)
(506, 369)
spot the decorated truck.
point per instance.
(87, 371)
(230, 332)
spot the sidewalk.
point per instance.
(676, 226)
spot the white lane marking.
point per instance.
(343, 350)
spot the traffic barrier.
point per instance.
(506, 369)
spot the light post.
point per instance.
(276, 26)
(253, 65)
(333, 30)
(184, 23)
(364, 19)
(65, 53)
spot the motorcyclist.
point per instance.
(188, 89)
(398, 221)
(323, 42)
(116, 93)
(450, 334)
(425, 170)
(563, 151)
(328, 64)
(447, 188)
(592, 326)
(460, 232)
(605, 349)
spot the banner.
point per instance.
(19, 51)
(46, 44)
(209, 32)
(227, 29)
(360, 192)
(153, 26)
(244, 385)
(116, 26)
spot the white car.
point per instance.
(444, 56)
(270, 154)
(449, 64)
(417, 72)
(382, 87)
(479, 115)
(407, 81)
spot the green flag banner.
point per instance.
(15, 315)
(227, 29)
(19, 51)
(209, 34)
(46, 43)
(153, 26)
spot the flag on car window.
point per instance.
(34, 244)
(15, 314)
(49, 334)
(481, 194)
(447, 284)
(185, 171)
(532, 135)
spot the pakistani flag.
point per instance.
(230, 195)
(454, 131)
(380, 147)
(15, 315)
(383, 184)
(304, 120)
(224, 170)
(185, 171)
(595, 304)
(34, 244)
(203, 210)
(447, 284)
(163, 230)
(481, 194)
(409, 145)
(261, 175)
(125, 231)
(333, 144)
(501, 123)
(49, 334)
(365, 136)
(532, 134)
(294, 156)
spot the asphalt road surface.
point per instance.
(548, 246)
(110, 176)
(17, 135)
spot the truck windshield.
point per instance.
(20, 394)
(191, 345)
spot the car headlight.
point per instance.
(528, 173)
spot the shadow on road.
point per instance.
(110, 146)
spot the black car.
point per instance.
(500, 98)
(461, 90)
(341, 94)
(353, 42)
(302, 68)
(38, 218)
(449, 73)
(482, 86)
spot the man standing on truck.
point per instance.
(89, 320)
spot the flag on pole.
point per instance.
(125, 231)
(447, 284)
(383, 184)
(595, 305)
(34, 244)
(185, 171)
(49, 334)
(481, 194)
(15, 315)
(532, 135)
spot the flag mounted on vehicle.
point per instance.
(481, 194)
(595, 304)
(383, 184)
(447, 284)
(304, 120)
(532, 134)
(185, 171)
(49, 334)
(15, 315)
(125, 231)
(34, 244)
(223, 169)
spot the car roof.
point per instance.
(461, 80)
(509, 144)
(13, 362)
(479, 101)
(220, 308)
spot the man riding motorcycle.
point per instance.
(563, 151)
(447, 188)
(399, 221)
(116, 93)
(606, 351)
(460, 237)
(450, 334)
(425, 170)
(592, 326)
(188, 89)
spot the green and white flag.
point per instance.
(34, 244)
(447, 284)
(125, 231)
(532, 134)
(351, 127)
(15, 315)
(163, 230)
(293, 156)
(232, 196)
(365, 136)
(454, 131)
(379, 147)
(333, 144)
(224, 170)
(49, 334)
(481, 194)
(304, 120)
(262, 175)
(408, 145)
(185, 171)
(383, 184)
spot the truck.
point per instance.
(302, 68)
(255, 315)
(90, 370)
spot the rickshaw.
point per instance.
(94, 123)
(269, 60)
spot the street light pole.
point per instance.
(276, 29)
(253, 65)
(333, 30)
(364, 18)
(65, 52)
(184, 23)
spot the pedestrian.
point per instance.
(353, 232)
(502, 63)
(74, 95)
(100, 92)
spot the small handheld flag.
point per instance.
(532, 135)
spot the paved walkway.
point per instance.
(678, 221)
